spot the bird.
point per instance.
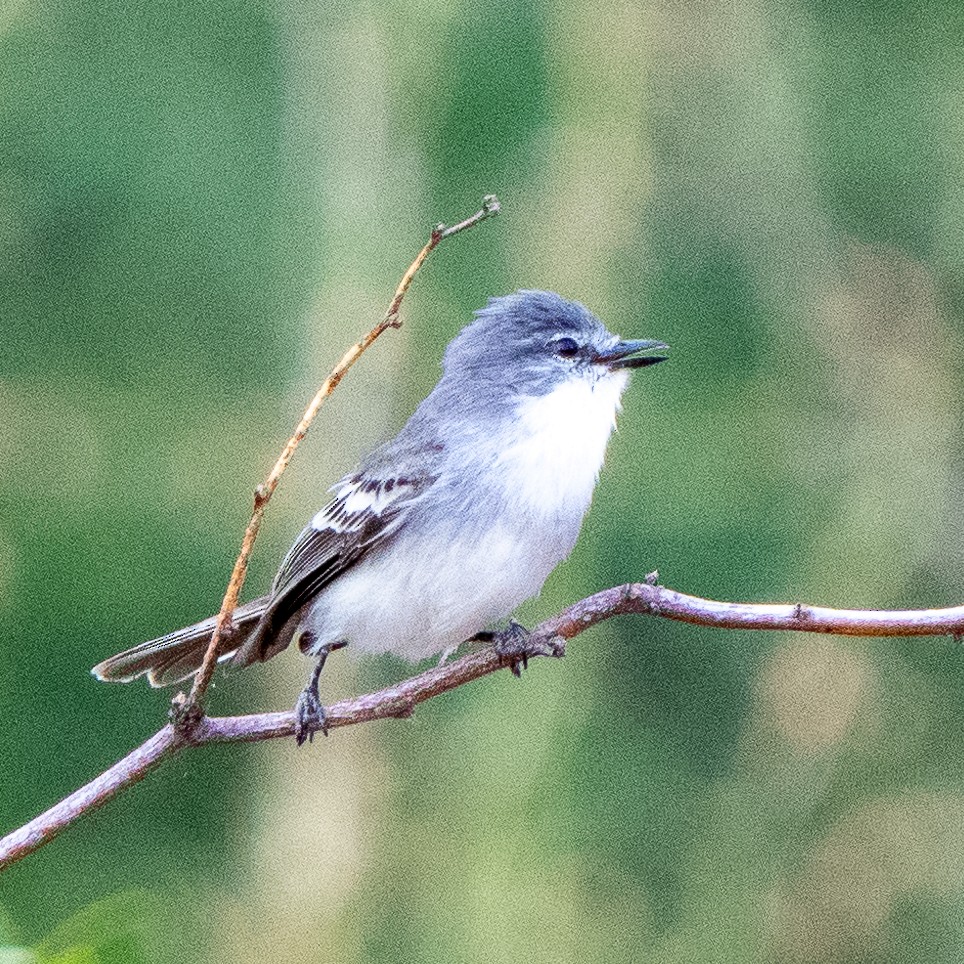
(447, 528)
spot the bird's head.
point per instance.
(535, 341)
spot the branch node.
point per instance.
(556, 646)
(490, 205)
(185, 715)
(260, 495)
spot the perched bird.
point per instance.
(447, 528)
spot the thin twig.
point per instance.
(187, 712)
(548, 639)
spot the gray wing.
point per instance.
(365, 512)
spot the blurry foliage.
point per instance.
(201, 207)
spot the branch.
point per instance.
(188, 711)
(547, 639)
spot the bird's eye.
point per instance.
(566, 347)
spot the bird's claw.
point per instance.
(515, 644)
(309, 716)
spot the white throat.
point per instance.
(560, 444)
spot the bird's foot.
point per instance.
(309, 715)
(512, 645)
(515, 644)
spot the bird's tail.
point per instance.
(172, 658)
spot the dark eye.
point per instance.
(565, 347)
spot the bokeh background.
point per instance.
(201, 206)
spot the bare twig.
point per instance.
(548, 639)
(188, 712)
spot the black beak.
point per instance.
(626, 354)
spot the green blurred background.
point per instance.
(201, 206)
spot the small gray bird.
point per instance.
(447, 528)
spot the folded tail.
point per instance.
(177, 656)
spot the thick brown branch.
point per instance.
(400, 700)
(188, 712)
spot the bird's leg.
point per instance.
(485, 636)
(309, 713)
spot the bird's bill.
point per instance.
(627, 354)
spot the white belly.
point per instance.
(417, 600)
